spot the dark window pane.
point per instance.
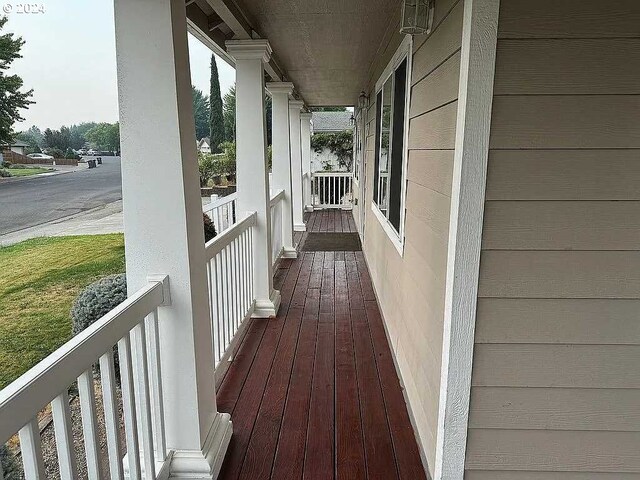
(397, 149)
(376, 157)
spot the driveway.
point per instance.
(34, 201)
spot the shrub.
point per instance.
(5, 173)
(9, 464)
(19, 166)
(97, 300)
(71, 154)
(206, 167)
(55, 152)
(209, 228)
(6, 164)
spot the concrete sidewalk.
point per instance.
(101, 220)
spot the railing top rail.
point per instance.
(276, 197)
(220, 201)
(26, 396)
(217, 244)
(332, 174)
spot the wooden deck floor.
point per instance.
(314, 393)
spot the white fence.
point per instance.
(332, 190)
(132, 326)
(222, 211)
(277, 242)
(231, 297)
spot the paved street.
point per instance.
(34, 201)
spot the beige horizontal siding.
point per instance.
(561, 225)
(432, 169)
(570, 366)
(563, 175)
(563, 321)
(571, 409)
(556, 121)
(437, 89)
(555, 384)
(569, 18)
(568, 66)
(435, 130)
(542, 450)
(513, 475)
(560, 274)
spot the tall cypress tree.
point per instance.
(216, 119)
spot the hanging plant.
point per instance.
(340, 144)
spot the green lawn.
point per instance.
(24, 172)
(39, 279)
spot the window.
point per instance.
(390, 148)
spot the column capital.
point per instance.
(305, 116)
(249, 49)
(280, 87)
(296, 105)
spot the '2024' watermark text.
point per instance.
(23, 8)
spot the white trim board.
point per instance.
(475, 98)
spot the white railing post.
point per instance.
(296, 165)
(163, 224)
(281, 160)
(305, 143)
(251, 160)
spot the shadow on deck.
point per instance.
(314, 392)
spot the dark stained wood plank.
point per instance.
(289, 459)
(319, 458)
(378, 446)
(327, 291)
(300, 289)
(365, 280)
(339, 256)
(331, 221)
(350, 459)
(234, 379)
(404, 440)
(316, 270)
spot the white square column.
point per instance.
(296, 165)
(163, 223)
(305, 142)
(281, 159)
(251, 163)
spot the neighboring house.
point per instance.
(204, 145)
(494, 306)
(329, 122)
(17, 146)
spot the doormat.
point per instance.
(332, 242)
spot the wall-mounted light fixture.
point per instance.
(363, 100)
(417, 17)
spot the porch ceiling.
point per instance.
(325, 47)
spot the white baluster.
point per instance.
(143, 397)
(89, 428)
(129, 406)
(108, 378)
(32, 461)
(155, 371)
(64, 437)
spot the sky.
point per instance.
(69, 61)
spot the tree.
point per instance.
(12, 100)
(216, 117)
(105, 136)
(59, 139)
(200, 112)
(229, 114)
(328, 109)
(33, 136)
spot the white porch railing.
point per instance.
(277, 240)
(231, 297)
(222, 211)
(332, 190)
(133, 327)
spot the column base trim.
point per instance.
(289, 252)
(308, 208)
(205, 464)
(299, 227)
(266, 308)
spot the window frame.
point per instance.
(403, 52)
